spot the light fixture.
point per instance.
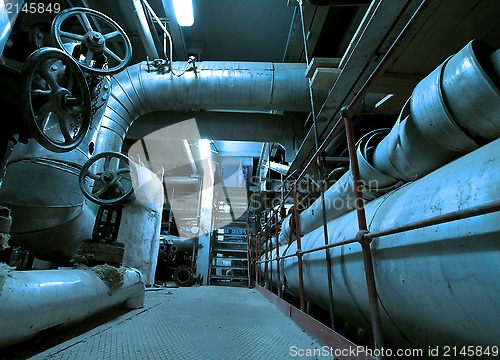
(184, 12)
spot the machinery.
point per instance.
(177, 259)
(56, 69)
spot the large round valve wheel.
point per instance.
(111, 183)
(97, 43)
(56, 100)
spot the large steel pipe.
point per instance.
(437, 285)
(144, 213)
(425, 137)
(215, 86)
(36, 300)
(470, 92)
(50, 216)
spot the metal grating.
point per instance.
(191, 323)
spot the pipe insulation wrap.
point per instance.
(427, 135)
(444, 276)
(50, 216)
(233, 86)
(35, 300)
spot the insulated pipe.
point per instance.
(36, 300)
(443, 276)
(215, 86)
(339, 198)
(142, 26)
(50, 216)
(144, 213)
(426, 134)
(7, 20)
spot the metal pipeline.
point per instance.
(427, 133)
(36, 300)
(50, 216)
(143, 27)
(140, 90)
(144, 213)
(443, 276)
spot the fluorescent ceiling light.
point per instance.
(184, 12)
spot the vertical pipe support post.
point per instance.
(299, 246)
(363, 230)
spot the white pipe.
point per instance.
(50, 216)
(438, 285)
(143, 27)
(424, 138)
(215, 86)
(144, 213)
(32, 301)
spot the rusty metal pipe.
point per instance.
(299, 247)
(276, 223)
(362, 225)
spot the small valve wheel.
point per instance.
(56, 107)
(98, 44)
(109, 185)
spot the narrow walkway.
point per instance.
(205, 322)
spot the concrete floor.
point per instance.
(205, 322)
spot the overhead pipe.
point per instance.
(141, 89)
(446, 274)
(52, 223)
(37, 300)
(181, 180)
(279, 168)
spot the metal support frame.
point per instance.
(363, 228)
(266, 265)
(249, 259)
(276, 224)
(299, 246)
(257, 255)
(268, 245)
(326, 241)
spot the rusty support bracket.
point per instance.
(277, 252)
(299, 247)
(367, 256)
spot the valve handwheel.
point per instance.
(56, 100)
(112, 183)
(97, 43)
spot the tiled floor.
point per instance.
(206, 322)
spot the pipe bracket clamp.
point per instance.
(360, 237)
